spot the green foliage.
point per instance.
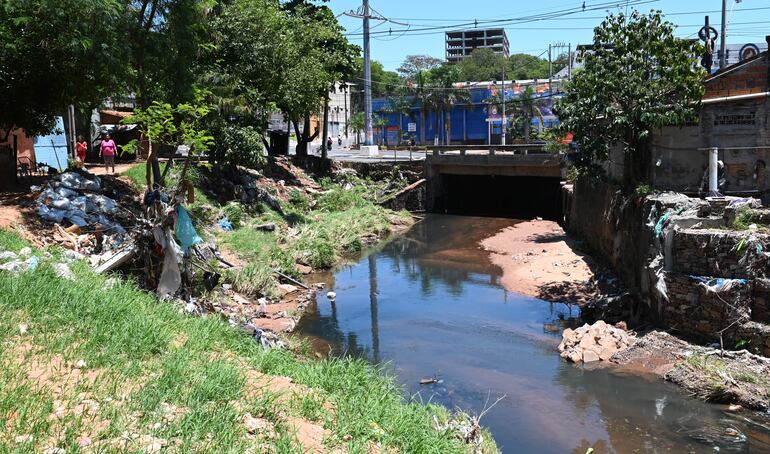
(234, 213)
(237, 145)
(643, 190)
(339, 199)
(744, 218)
(52, 57)
(482, 65)
(646, 79)
(171, 125)
(413, 65)
(299, 201)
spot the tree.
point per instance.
(319, 56)
(415, 64)
(401, 104)
(165, 38)
(640, 78)
(483, 64)
(357, 124)
(446, 96)
(52, 58)
(525, 66)
(529, 106)
(383, 82)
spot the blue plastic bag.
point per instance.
(225, 224)
(185, 231)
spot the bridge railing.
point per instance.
(522, 149)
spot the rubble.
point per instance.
(591, 343)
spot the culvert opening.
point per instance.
(518, 197)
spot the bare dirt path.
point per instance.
(98, 169)
(538, 259)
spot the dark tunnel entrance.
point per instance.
(520, 197)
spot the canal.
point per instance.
(429, 304)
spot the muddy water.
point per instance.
(430, 304)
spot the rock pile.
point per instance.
(597, 342)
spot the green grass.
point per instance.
(745, 218)
(321, 236)
(146, 357)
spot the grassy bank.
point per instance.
(315, 229)
(101, 364)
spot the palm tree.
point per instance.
(357, 125)
(530, 105)
(399, 103)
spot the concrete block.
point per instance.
(370, 150)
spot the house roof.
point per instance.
(116, 113)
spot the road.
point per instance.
(345, 153)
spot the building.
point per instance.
(475, 123)
(461, 43)
(735, 119)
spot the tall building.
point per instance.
(461, 43)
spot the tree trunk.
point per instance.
(422, 126)
(448, 127)
(435, 130)
(324, 151)
(527, 127)
(400, 133)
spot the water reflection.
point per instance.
(430, 304)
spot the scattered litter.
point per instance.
(429, 381)
(63, 271)
(185, 231)
(269, 227)
(81, 364)
(331, 295)
(225, 224)
(718, 285)
(23, 328)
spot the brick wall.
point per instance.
(746, 78)
(709, 253)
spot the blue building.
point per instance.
(478, 122)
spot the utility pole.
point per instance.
(569, 61)
(723, 38)
(369, 140)
(365, 13)
(504, 123)
(550, 71)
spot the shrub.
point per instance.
(234, 212)
(237, 145)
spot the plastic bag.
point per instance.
(225, 224)
(170, 277)
(50, 214)
(185, 231)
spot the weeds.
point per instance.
(745, 218)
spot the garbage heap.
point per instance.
(87, 221)
(597, 342)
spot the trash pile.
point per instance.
(86, 220)
(597, 342)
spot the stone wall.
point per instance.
(675, 273)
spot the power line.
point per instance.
(526, 19)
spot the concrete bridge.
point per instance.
(507, 181)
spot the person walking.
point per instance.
(107, 150)
(329, 143)
(81, 150)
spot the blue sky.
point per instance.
(749, 22)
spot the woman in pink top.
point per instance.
(107, 150)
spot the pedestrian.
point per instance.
(107, 150)
(329, 143)
(339, 140)
(81, 150)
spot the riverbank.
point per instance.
(538, 259)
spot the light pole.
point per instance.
(723, 38)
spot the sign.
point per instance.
(411, 127)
